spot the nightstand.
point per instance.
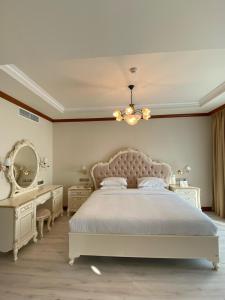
(190, 194)
(77, 195)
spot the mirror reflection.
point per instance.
(25, 166)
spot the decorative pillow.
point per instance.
(114, 181)
(113, 187)
(151, 182)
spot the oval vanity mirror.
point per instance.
(24, 168)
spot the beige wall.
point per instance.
(178, 141)
(14, 128)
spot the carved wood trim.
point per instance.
(23, 105)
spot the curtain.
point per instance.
(218, 131)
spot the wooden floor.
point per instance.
(42, 272)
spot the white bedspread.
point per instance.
(133, 211)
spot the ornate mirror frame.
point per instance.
(15, 187)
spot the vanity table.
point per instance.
(18, 212)
(18, 216)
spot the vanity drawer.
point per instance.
(26, 208)
(43, 198)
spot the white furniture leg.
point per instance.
(215, 266)
(40, 228)
(35, 237)
(49, 223)
(42, 215)
(72, 260)
(15, 254)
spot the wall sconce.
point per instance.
(4, 166)
(84, 178)
(183, 182)
(186, 169)
(83, 170)
(44, 163)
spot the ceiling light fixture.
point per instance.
(131, 114)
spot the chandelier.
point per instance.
(131, 114)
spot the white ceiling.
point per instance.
(78, 54)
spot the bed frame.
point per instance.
(133, 164)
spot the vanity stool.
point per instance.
(42, 215)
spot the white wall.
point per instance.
(178, 141)
(14, 128)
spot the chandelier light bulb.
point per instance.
(146, 111)
(119, 118)
(117, 113)
(129, 110)
(146, 117)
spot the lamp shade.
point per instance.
(132, 119)
(187, 169)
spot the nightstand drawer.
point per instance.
(188, 195)
(77, 195)
(76, 203)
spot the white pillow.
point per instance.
(114, 181)
(151, 182)
(113, 187)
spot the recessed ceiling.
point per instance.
(80, 52)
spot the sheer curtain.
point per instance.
(218, 128)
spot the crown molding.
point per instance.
(29, 108)
(26, 81)
(153, 105)
(217, 109)
(212, 95)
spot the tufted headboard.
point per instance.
(131, 164)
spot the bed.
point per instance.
(139, 223)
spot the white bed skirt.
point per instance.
(148, 246)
